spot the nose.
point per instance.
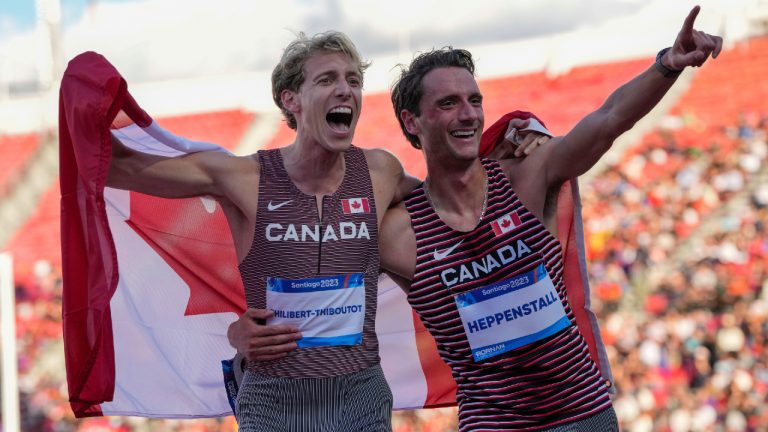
(343, 89)
(469, 112)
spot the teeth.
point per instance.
(341, 110)
(463, 134)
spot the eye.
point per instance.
(446, 103)
(324, 80)
(477, 100)
(355, 82)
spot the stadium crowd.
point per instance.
(678, 255)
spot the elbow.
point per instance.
(615, 124)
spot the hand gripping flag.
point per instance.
(151, 284)
(570, 233)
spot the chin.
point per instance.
(338, 146)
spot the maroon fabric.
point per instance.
(92, 93)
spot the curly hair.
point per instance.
(407, 90)
(289, 73)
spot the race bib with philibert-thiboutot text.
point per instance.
(328, 310)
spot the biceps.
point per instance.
(177, 177)
(579, 150)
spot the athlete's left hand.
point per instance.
(692, 47)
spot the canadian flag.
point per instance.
(506, 223)
(355, 205)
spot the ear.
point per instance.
(410, 123)
(290, 100)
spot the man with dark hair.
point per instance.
(304, 219)
(476, 243)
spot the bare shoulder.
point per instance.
(518, 169)
(382, 161)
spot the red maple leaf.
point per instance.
(197, 245)
(505, 223)
(355, 204)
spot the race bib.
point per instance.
(511, 313)
(328, 310)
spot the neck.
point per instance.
(459, 196)
(313, 169)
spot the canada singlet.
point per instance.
(495, 301)
(317, 273)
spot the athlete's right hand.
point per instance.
(261, 342)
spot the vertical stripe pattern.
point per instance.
(291, 241)
(549, 382)
(361, 401)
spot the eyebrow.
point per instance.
(452, 97)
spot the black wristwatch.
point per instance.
(665, 71)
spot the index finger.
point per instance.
(690, 19)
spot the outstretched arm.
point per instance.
(581, 148)
(195, 174)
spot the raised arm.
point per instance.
(203, 173)
(583, 146)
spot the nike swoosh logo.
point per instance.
(272, 207)
(445, 252)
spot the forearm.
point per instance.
(632, 101)
(588, 141)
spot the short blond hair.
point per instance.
(289, 73)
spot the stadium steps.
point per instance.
(258, 134)
(33, 181)
(714, 221)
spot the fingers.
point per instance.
(529, 143)
(693, 47)
(259, 314)
(718, 46)
(502, 150)
(690, 19)
(706, 45)
(518, 123)
(270, 348)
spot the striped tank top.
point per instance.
(296, 247)
(495, 301)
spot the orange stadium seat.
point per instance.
(15, 152)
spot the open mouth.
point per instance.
(464, 133)
(339, 118)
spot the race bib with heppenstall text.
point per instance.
(512, 313)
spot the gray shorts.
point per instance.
(361, 401)
(604, 421)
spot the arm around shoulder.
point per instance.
(393, 181)
(397, 243)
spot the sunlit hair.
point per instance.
(407, 90)
(289, 73)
